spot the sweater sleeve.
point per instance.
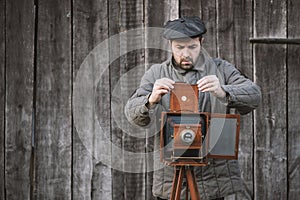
(136, 110)
(241, 92)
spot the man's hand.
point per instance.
(161, 87)
(211, 84)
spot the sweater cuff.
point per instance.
(147, 105)
(229, 98)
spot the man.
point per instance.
(221, 87)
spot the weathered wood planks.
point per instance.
(117, 135)
(53, 125)
(270, 161)
(91, 178)
(42, 45)
(169, 10)
(293, 96)
(130, 71)
(2, 98)
(19, 84)
(234, 27)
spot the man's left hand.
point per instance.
(211, 84)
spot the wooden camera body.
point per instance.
(189, 137)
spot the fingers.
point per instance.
(161, 87)
(211, 84)
(208, 83)
(164, 84)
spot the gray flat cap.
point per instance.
(183, 28)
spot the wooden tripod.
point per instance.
(188, 173)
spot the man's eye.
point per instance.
(180, 47)
(192, 47)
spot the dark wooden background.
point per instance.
(44, 42)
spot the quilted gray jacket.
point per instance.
(221, 177)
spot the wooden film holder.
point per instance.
(184, 98)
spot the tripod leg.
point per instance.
(177, 183)
(191, 180)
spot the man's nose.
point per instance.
(185, 53)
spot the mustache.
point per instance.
(187, 59)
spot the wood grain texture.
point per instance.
(271, 128)
(293, 87)
(2, 98)
(91, 178)
(235, 17)
(42, 156)
(293, 122)
(269, 18)
(118, 181)
(152, 19)
(186, 10)
(225, 30)
(53, 101)
(131, 69)
(209, 16)
(234, 29)
(169, 10)
(270, 151)
(19, 97)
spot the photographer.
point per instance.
(221, 87)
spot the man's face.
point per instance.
(186, 51)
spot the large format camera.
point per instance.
(189, 137)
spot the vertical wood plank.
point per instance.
(270, 131)
(270, 152)
(2, 97)
(114, 13)
(269, 18)
(293, 83)
(128, 16)
(243, 31)
(293, 123)
(114, 18)
(209, 16)
(169, 10)
(91, 178)
(101, 182)
(132, 15)
(19, 97)
(190, 8)
(53, 101)
(82, 159)
(225, 30)
(234, 30)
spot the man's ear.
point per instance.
(201, 40)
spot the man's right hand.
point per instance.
(161, 87)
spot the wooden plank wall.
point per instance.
(2, 98)
(42, 46)
(293, 96)
(19, 92)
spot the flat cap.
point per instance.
(183, 28)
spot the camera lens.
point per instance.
(187, 136)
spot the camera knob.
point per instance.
(187, 136)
